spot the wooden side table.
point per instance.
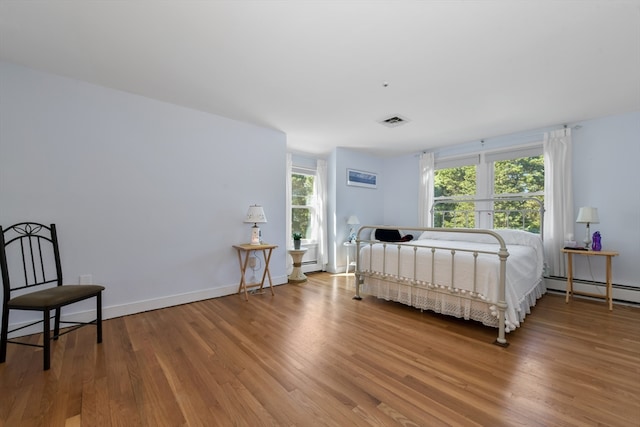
(246, 249)
(297, 276)
(570, 291)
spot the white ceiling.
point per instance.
(458, 70)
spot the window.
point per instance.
(303, 204)
(306, 187)
(515, 172)
(453, 183)
(456, 179)
(523, 176)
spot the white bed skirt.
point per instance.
(446, 301)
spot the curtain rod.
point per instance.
(484, 140)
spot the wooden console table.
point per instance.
(246, 249)
(570, 291)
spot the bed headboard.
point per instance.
(521, 213)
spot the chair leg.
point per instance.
(47, 340)
(4, 334)
(56, 325)
(99, 317)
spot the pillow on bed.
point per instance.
(464, 237)
(511, 237)
(519, 237)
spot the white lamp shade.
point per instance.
(255, 214)
(588, 215)
(353, 220)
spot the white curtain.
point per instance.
(425, 196)
(321, 211)
(288, 214)
(558, 198)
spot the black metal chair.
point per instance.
(30, 259)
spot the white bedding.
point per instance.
(410, 264)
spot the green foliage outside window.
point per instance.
(455, 182)
(523, 176)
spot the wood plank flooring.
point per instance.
(312, 356)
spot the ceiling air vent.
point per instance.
(394, 121)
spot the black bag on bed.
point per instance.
(391, 236)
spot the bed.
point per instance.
(493, 276)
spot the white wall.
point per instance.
(366, 203)
(148, 197)
(401, 187)
(606, 153)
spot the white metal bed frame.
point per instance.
(502, 253)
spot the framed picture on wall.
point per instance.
(361, 178)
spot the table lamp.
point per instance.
(588, 216)
(256, 215)
(353, 220)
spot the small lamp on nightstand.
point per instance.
(353, 220)
(256, 215)
(588, 216)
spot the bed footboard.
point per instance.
(411, 283)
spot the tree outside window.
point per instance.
(518, 177)
(450, 183)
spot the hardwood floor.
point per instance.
(310, 355)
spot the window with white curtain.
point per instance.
(305, 215)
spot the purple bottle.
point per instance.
(597, 244)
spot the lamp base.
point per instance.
(255, 235)
(587, 238)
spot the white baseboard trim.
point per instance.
(138, 307)
(623, 294)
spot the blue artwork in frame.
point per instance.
(361, 178)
